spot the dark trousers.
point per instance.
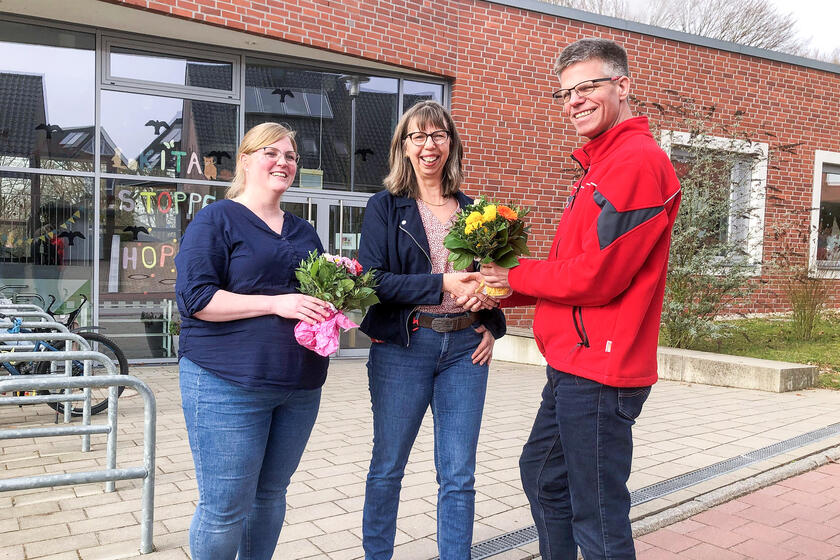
(575, 467)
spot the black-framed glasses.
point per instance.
(274, 155)
(419, 138)
(583, 89)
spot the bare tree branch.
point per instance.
(756, 23)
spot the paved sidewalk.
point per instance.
(796, 519)
(683, 427)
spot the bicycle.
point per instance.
(98, 343)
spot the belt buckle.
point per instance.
(442, 324)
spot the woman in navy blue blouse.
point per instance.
(250, 392)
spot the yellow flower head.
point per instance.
(489, 213)
(473, 221)
(474, 218)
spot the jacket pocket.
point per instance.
(577, 319)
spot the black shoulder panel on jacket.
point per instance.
(612, 224)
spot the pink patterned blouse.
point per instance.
(435, 232)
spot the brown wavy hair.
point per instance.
(402, 181)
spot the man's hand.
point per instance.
(495, 276)
(461, 284)
(484, 351)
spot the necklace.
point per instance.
(444, 203)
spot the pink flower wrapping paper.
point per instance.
(322, 337)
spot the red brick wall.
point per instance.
(517, 142)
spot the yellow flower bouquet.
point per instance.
(486, 232)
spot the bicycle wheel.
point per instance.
(98, 396)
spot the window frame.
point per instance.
(757, 181)
(107, 79)
(821, 158)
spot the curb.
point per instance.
(732, 491)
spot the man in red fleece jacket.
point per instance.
(599, 299)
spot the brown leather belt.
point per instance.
(445, 324)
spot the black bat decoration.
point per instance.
(218, 155)
(135, 230)
(364, 153)
(49, 129)
(71, 236)
(283, 93)
(158, 125)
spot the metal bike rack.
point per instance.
(111, 473)
(19, 313)
(67, 397)
(6, 322)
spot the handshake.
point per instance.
(470, 288)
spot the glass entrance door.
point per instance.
(339, 225)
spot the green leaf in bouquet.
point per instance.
(372, 299)
(519, 246)
(347, 284)
(502, 236)
(501, 253)
(453, 242)
(508, 261)
(462, 262)
(323, 274)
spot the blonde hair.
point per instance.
(402, 181)
(258, 137)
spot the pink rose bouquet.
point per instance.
(340, 282)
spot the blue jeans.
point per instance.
(246, 444)
(437, 370)
(575, 467)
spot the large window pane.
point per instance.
(376, 118)
(142, 223)
(46, 97)
(174, 69)
(46, 237)
(168, 136)
(722, 214)
(319, 107)
(828, 234)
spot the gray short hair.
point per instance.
(609, 52)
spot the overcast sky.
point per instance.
(818, 20)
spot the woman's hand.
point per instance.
(461, 284)
(477, 302)
(301, 307)
(484, 351)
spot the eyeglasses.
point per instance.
(583, 89)
(419, 138)
(274, 155)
